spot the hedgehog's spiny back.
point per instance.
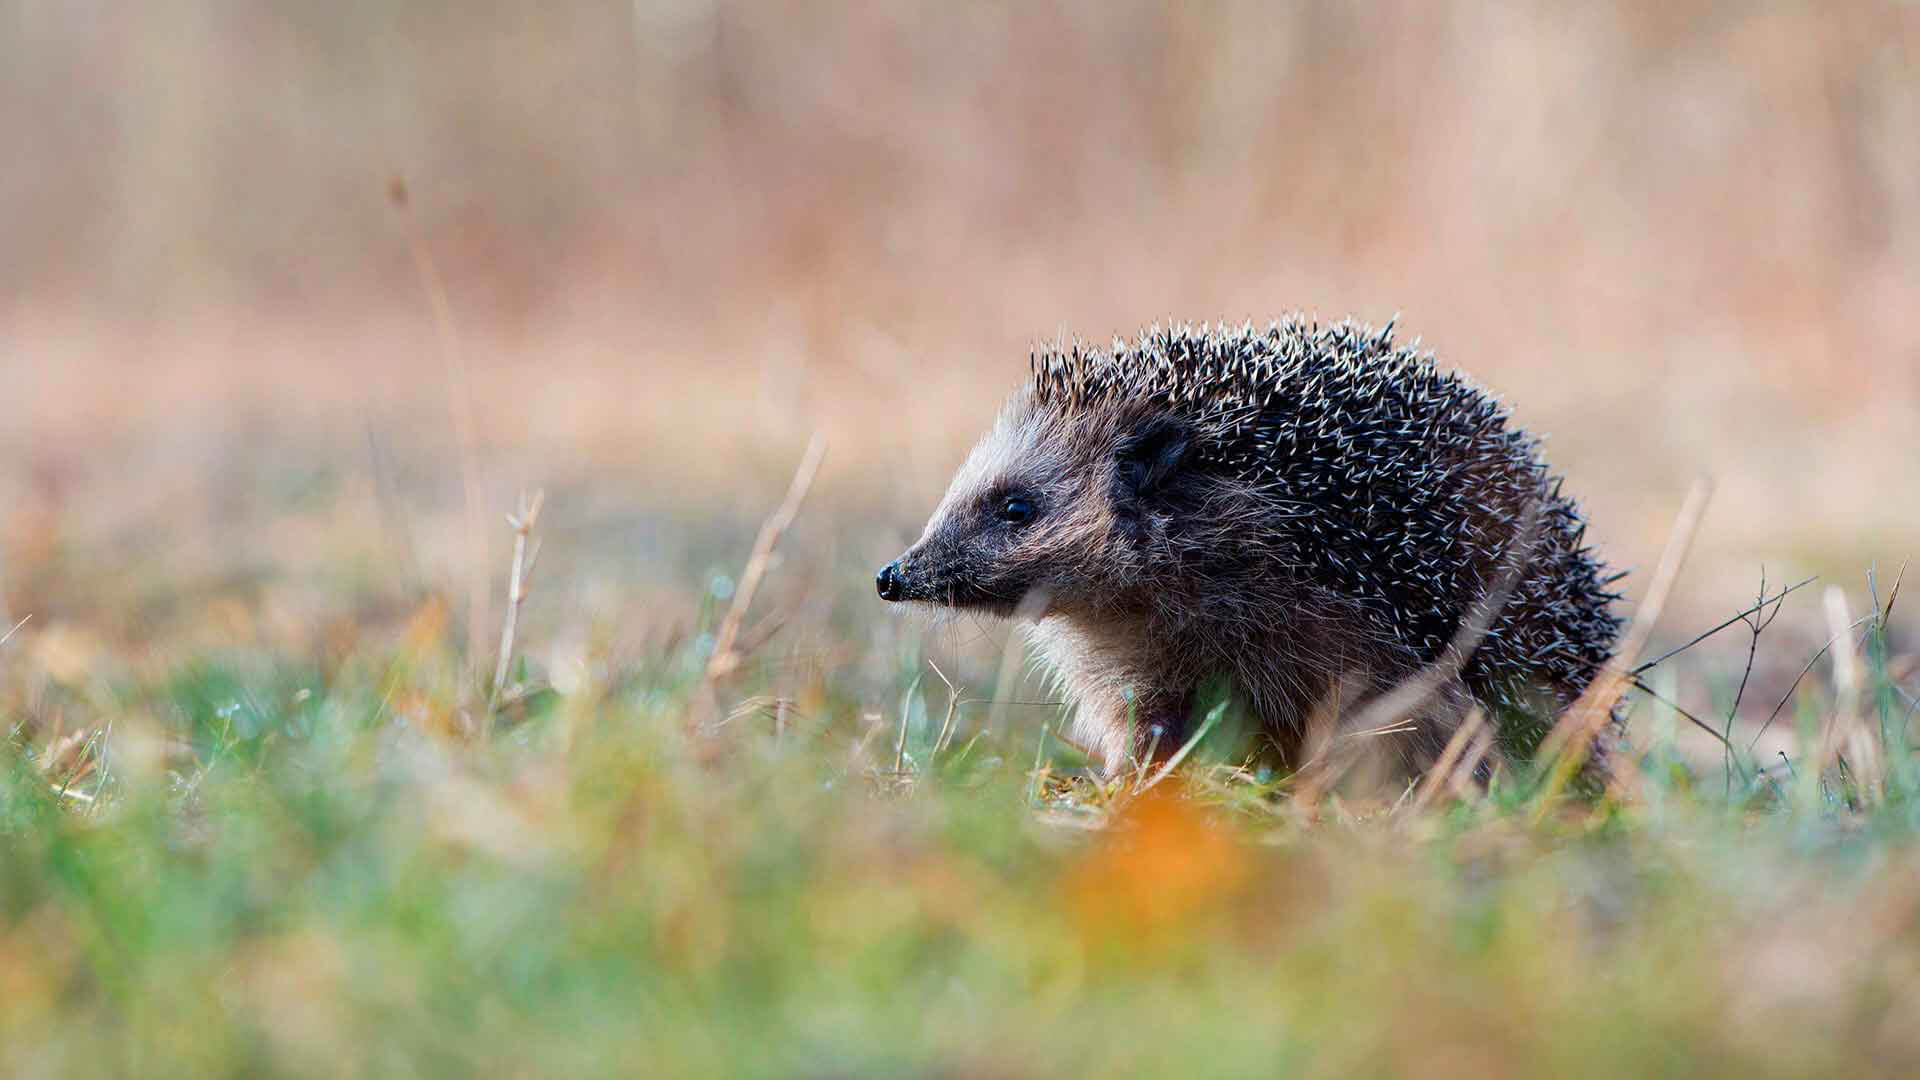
(1395, 483)
(1243, 388)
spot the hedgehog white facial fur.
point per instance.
(1286, 513)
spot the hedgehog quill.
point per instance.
(1299, 518)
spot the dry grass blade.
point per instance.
(906, 720)
(1566, 746)
(1844, 729)
(1037, 776)
(1846, 662)
(1886, 613)
(1461, 782)
(726, 656)
(14, 629)
(1443, 769)
(953, 707)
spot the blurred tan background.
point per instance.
(678, 238)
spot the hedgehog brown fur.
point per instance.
(1291, 513)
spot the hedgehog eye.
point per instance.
(1015, 510)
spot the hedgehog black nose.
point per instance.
(889, 584)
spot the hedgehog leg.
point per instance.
(1127, 706)
(1126, 728)
(1161, 727)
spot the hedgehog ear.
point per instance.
(1150, 453)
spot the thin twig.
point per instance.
(8, 636)
(1765, 601)
(1696, 721)
(1795, 685)
(526, 552)
(1757, 624)
(726, 658)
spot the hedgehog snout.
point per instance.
(890, 583)
(912, 578)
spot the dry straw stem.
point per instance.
(906, 717)
(526, 552)
(1465, 736)
(1844, 730)
(1461, 782)
(8, 636)
(727, 656)
(1567, 745)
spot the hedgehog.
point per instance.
(1292, 520)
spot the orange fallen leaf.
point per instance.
(1161, 868)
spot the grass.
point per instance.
(255, 860)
